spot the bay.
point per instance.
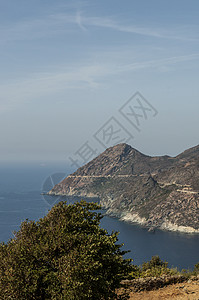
(20, 198)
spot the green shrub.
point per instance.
(196, 268)
(65, 255)
(153, 268)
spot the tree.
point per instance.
(65, 255)
(155, 262)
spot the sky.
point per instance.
(69, 69)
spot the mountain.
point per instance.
(158, 192)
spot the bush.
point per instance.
(65, 255)
(153, 268)
(196, 269)
(155, 262)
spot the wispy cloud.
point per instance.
(62, 23)
(39, 85)
(78, 20)
(158, 63)
(91, 75)
(113, 24)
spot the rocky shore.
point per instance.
(136, 219)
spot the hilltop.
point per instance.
(157, 192)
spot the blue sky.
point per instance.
(66, 67)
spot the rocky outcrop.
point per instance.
(157, 192)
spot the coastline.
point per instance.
(166, 225)
(133, 218)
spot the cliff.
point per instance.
(158, 192)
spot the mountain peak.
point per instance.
(122, 149)
(111, 161)
(122, 146)
(119, 149)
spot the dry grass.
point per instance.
(187, 290)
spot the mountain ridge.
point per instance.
(155, 191)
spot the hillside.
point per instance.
(180, 291)
(158, 192)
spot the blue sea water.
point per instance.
(20, 199)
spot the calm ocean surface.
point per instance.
(20, 198)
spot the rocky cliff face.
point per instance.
(158, 192)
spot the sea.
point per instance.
(22, 196)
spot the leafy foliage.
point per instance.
(65, 255)
(189, 273)
(157, 267)
(196, 268)
(153, 268)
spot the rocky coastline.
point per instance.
(136, 219)
(155, 192)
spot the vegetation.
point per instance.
(65, 255)
(153, 268)
(157, 267)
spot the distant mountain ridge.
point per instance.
(158, 192)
